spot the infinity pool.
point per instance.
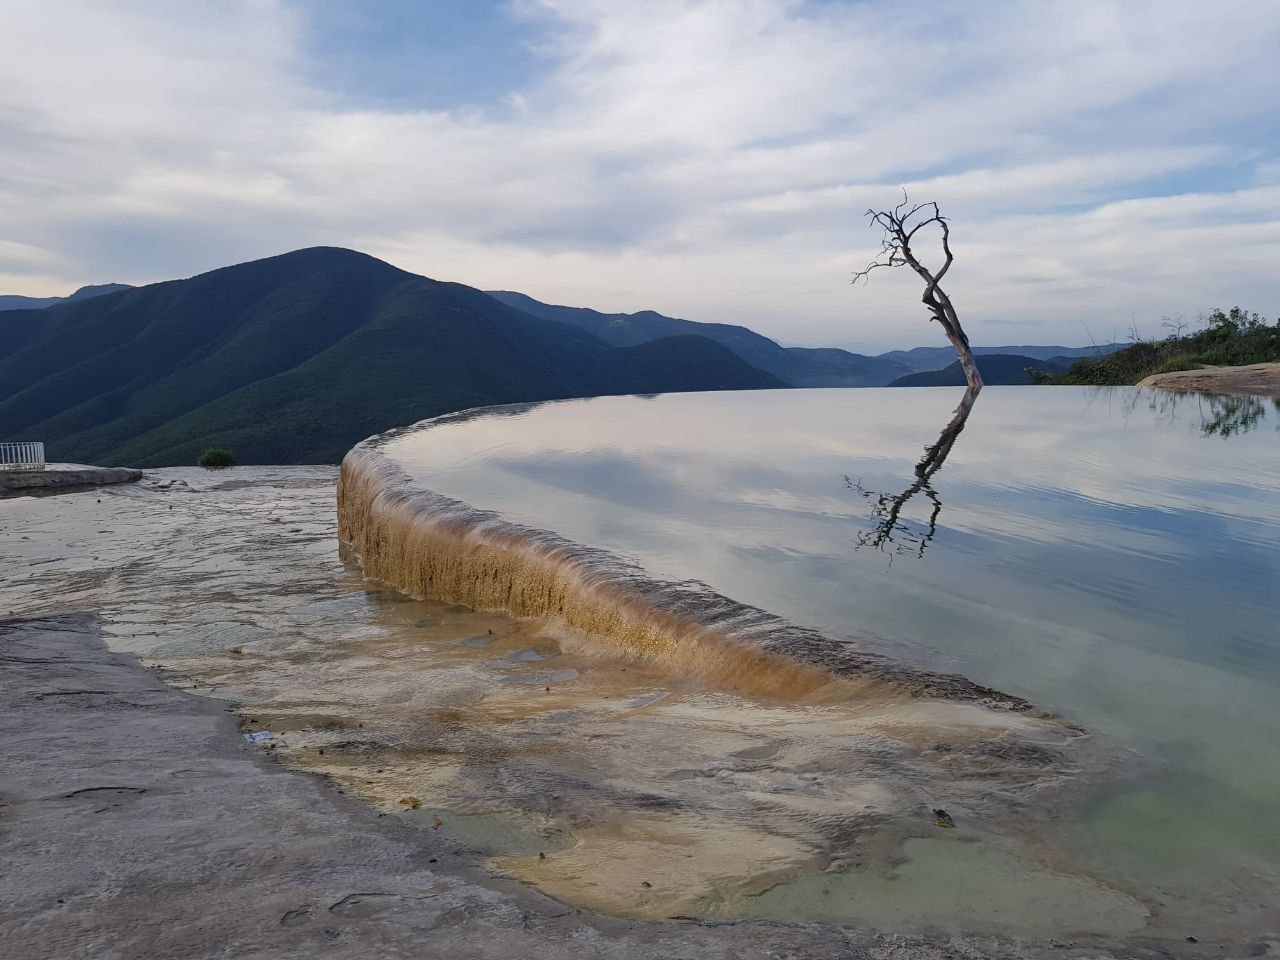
(1111, 555)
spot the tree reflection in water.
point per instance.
(890, 532)
(1221, 414)
(1229, 415)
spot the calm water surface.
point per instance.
(1111, 555)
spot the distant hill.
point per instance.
(294, 358)
(936, 358)
(13, 302)
(798, 366)
(996, 368)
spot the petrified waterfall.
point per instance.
(436, 548)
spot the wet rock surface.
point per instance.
(135, 822)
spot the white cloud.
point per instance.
(708, 159)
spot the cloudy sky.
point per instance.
(1101, 162)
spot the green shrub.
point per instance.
(1174, 365)
(1227, 338)
(216, 457)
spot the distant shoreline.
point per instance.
(1258, 379)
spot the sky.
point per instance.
(1103, 164)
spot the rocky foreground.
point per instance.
(138, 824)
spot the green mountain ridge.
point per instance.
(798, 366)
(293, 359)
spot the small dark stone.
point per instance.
(645, 883)
(1189, 939)
(943, 819)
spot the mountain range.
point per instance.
(997, 369)
(798, 366)
(294, 358)
(936, 358)
(13, 302)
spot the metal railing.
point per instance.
(21, 456)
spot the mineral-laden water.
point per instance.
(714, 669)
(1109, 555)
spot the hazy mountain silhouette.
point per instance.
(15, 302)
(936, 358)
(996, 369)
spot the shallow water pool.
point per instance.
(1111, 555)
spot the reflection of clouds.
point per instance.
(1042, 473)
(730, 424)
(778, 450)
(1099, 557)
(1047, 454)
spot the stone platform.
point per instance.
(63, 476)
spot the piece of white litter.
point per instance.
(255, 737)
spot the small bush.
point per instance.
(216, 457)
(1174, 365)
(1226, 338)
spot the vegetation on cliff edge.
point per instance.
(1225, 338)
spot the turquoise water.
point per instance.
(1112, 555)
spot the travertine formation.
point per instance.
(437, 548)
(64, 476)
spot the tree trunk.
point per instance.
(961, 342)
(895, 251)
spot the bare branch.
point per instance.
(899, 227)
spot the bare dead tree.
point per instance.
(900, 226)
(1176, 326)
(886, 508)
